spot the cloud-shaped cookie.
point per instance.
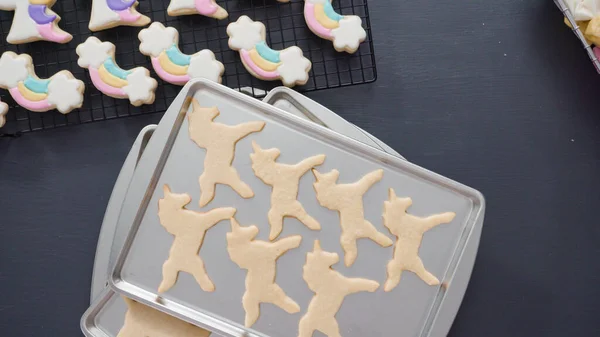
(294, 66)
(245, 33)
(156, 38)
(94, 52)
(13, 69)
(65, 92)
(3, 111)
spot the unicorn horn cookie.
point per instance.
(289, 65)
(345, 31)
(203, 7)
(34, 21)
(99, 58)
(3, 111)
(112, 13)
(170, 63)
(61, 91)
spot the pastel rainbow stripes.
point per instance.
(110, 79)
(322, 17)
(262, 60)
(32, 94)
(172, 65)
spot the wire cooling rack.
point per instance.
(567, 13)
(285, 27)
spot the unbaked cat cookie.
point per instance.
(330, 288)
(284, 179)
(347, 199)
(219, 141)
(289, 64)
(99, 58)
(345, 31)
(409, 230)
(61, 91)
(161, 44)
(142, 320)
(203, 7)
(188, 228)
(112, 13)
(260, 259)
(34, 21)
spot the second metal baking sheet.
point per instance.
(406, 311)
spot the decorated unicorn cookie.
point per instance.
(289, 65)
(34, 21)
(203, 7)
(99, 58)
(112, 13)
(170, 63)
(61, 91)
(345, 31)
(3, 111)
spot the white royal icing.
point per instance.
(204, 65)
(23, 27)
(245, 33)
(13, 69)
(317, 1)
(94, 52)
(65, 92)
(3, 111)
(102, 15)
(294, 66)
(140, 87)
(157, 38)
(176, 5)
(349, 34)
(584, 10)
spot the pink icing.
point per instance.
(206, 7)
(268, 75)
(597, 52)
(48, 33)
(175, 79)
(311, 21)
(42, 105)
(127, 16)
(105, 88)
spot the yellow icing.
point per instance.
(30, 95)
(323, 19)
(41, 2)
(261, 62)
(171, 67)
(111, 79)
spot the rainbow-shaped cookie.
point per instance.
(173, 66)
(99, 58)
(345, 31)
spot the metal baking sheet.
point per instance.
(172, 158)
(106, 316)
(110, 240)
(107, 237)
(294, 102)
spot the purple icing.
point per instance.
(38, 14)
(119, 5)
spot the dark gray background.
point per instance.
(497, 95)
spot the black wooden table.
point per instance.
(497, 95)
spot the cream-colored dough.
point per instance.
(330, 288)
(260, 259)
(409, 229)
(219, 141)
(347, 199)
(284, 179)
(144, 321)
(189, 228)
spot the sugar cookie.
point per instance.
(161, 44)
(248, 37)
(583, 10)
(112, 13)
(409, 230)
(188, 228)
(259, 258)
(142, 320)
(284, 179)
(203, 7)
(61, 91)
(345, 31)
(219, 141)
(34, 21)
(99, 58)
(330, 288)
(592, 31)
(347, 199)
(3, 112)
